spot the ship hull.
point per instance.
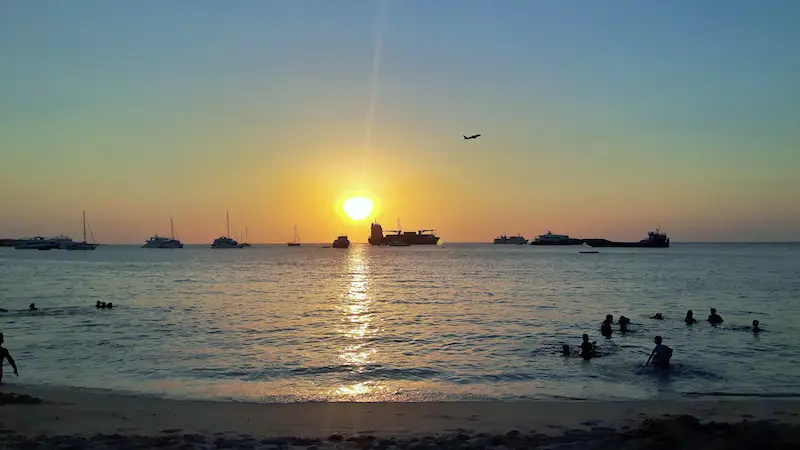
(410, 240)
(559, 242)
(605, 243)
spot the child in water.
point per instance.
(623, 324)
(605, 328)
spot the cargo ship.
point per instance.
(555, 239)
(655, 239)
(421, 237)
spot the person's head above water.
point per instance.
(689, 313)
(755, 323)
(713, 310)
(609, 318)
(32, 306)
(565, 349)
(586, 337)
(658, 340)
(1, 338)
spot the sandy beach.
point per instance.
(65, 416)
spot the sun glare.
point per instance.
(357, 208)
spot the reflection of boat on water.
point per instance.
(655, 239)
(226, 241)
(296, 241)
(555, 239)
(421, 237)
(341, 242)
(157, 241)
(514, 240)
(37, 243)
(82, 245)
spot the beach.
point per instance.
(104, 419)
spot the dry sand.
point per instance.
(117, 420)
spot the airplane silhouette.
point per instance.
(471, 137)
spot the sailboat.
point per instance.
(226, 241)
(296, 241)
(246, 242)
(161, 242)
(82, 245)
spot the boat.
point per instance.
(37, 243)
(226, 241)
(82, 245)
(6, 242)
(516, 240)
(157, 241)
(398, 244)
(296, 241)
(655, 239)
(555, 239)
(340, 242)
(246, 242)
(421, 237)
(63, 241)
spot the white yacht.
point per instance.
(63, 241)
(515, 240)
(157, 241)
(226, 241)
(37, 243)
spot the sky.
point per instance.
(598, 119)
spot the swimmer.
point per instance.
(587, 348)
(690, 320)
(661, 355)
(714, 318)
(109, 305)
(103, 305)
(4, 354)
(32, 307)
(98, 305)
(605, 328)
(755, 328)
(658, 316)
(565, 350)
(623, 324)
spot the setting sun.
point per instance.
(357, 208)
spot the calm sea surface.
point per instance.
(461, 322)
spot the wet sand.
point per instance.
(79, 418)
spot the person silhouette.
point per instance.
(4, 354)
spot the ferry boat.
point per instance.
(421, 237)
(226, 241)
(655, 239)
(555, 239)
(157, 241)
(37, 243)
(341, 242)
(515, 240)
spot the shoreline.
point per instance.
(93, 415)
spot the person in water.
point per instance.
(109, 305)
(690, 320)
(565, 350)
(755, 328)
(660, 355)
(605, 328)
(623, 324)
(4, 354)
(714, 318)
(32, 307)
(98, 305)
(103, 305)
(658, 316)
(588, 348)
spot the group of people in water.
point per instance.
(661, 354)
(104, 305)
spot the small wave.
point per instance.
(742, 394)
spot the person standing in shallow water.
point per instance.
(605, 328)
(4, 354)
(587, 348)
(690, 320)
(714, 318)
(661, 355)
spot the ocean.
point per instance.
(452, 323)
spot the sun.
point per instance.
(358, 208)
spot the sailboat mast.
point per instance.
(246, 234)
(84, 226)
(228, 220)
(171, 228)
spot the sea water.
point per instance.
(458, 322)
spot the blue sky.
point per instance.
(695, 102)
